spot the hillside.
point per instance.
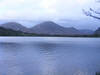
(14, 26)
(47, 28)
(51, 28)
(97, 32)
(9, 32)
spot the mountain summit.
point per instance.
(51, 28)
(14, 26)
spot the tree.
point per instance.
(92, 12)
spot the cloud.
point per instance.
(64, 12)
(41, 9)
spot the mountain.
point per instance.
(48, 28)
(10, 32)
(51, 28)
(97, 32)
(14, 26)
(86, 31)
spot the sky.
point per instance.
(60, 11)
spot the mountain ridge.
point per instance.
(45, 28)
(14, 26)
(52, 28)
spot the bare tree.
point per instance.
(92, 12)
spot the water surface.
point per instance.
(49, 56)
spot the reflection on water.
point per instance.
(49, 56)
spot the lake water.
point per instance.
(49, 56)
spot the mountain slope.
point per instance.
(14, 26)
(10, 32)
(97, 32)
(51, 28)
(86, 31)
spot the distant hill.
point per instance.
(86, 31)
(9, 32)
(47, 28)
(51, 28)
(14, 26)
(97, 32)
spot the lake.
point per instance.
(49, 56)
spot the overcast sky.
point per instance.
(44, 9)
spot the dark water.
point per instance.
(49, 56)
